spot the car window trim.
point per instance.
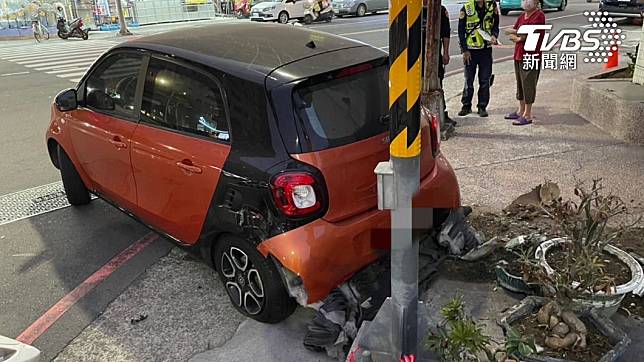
(208, 74)
(137, 96)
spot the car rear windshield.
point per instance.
(344, 110)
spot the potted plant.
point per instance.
(583, 268)
(540, 330)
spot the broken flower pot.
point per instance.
(513, 283)
(529, 306)
(606, 303)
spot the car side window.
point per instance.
(183, 99)
(111, 87)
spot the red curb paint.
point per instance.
(42, 324)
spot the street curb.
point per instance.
(606, 104)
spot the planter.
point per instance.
(513, 282)
(606, 303)
(530, 305)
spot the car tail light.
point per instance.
(435, 132)
(353, 70)
(295, 194)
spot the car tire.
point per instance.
(77, 193)
(505, 12)
(563, 5)
(282, 18)
(252, 282)
(361, 11)
(308, 19)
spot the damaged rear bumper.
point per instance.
(325, 254)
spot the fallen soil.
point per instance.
(598, 344)
(632, 305)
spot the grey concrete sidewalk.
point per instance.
(495, 162)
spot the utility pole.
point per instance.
(432, 89)
(398, 179)
(123, 28)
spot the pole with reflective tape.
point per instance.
(404, 105)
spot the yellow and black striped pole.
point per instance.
(405, 18)
(405, 76)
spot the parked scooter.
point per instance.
(73, 30)
(318, 10)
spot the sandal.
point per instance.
(513, 115)
(522, 121)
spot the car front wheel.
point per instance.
(505, 12)
(362, 10)
(283, 17)
(252, 282)
(77, 193)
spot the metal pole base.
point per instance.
(372, 344)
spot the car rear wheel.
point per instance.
(562, 6)
(252, 282)
(283, 17)
(308, 19)
(77, 193)
(505, 12)
(362, 10)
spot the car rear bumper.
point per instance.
(325, 254)
(622, 11)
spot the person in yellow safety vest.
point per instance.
(478, 30)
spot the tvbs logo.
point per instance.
(572, 40)
(603, 36)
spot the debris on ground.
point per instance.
(529, 204)
(457, 235)
(138, 319)
(483, 250)
(333, 325)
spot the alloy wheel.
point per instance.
(243, 282)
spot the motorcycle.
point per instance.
(318, 10)
(73, 30)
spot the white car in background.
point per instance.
(280, 11)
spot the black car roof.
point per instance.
(244, 49)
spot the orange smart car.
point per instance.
(253, 144)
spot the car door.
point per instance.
(101, 128)
(179, 148)
(295, 8)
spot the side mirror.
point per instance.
(99, 100)
(66, 100)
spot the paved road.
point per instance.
(49, 249)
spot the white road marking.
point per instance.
(10, 74)
(72, 75)
(67, 60)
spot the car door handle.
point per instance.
(187, 165)
(116, 141)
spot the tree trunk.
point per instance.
(638, 76)
(122, 25)
(432, 96)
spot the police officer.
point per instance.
(478, 29)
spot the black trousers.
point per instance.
(481, 59)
